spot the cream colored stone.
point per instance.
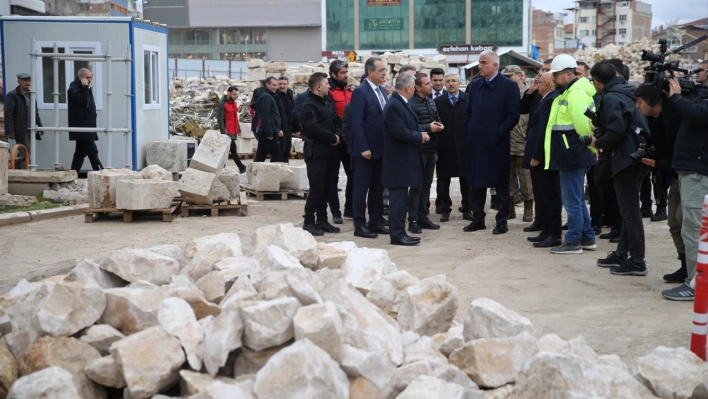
(222, 336)
(51, 382)
(366, 265)
(486, 318)
(367, 364)
(192, 382)
(145, 194)
(300, 180)
(178, 320)
(240, 290)
(322, 325)
(222, 390)
(201, 307)
(418, 348)
(68, 307)
(670, 372)
(267, 176)
(249, 362)
(102, 186)
(89, 269)
(428, 307)
(268, 323)
(212, 286)
(431, 388)
(131, 309)
(273, 259)
(105, 371)
(8, 368)
(551, 343)
(206, 251)
(256, 74)
(361, 388)
(212, 153)
(302, 290)
(255, 63)
(330, 256)
(171, 251)
(101, 337)
(450, 340)
(229, 177)
(135, 265)
(197, 187)
(297, 242)
(168, 154)
(156, 172)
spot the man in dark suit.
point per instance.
(81, 110)
(451, 148)
(437, 78)
(269, 125)
(546, 182)
(402, 164)
(493, 109)
(366, 146)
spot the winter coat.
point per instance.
(518, 133)
(320, 127)
(427, 113)
(81, 110)
(17, 115)
(227, 117)
(402, 164)
(451, 141)
(269, 114)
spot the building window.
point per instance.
(583, 33)
(594, 19)
(623, 17)
(583, 20)
(151, 77)
(68, 71)
(592, 32)
(623, 31)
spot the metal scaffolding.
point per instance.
(108, 59)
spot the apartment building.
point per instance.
(599, 23)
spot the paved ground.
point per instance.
(563, 294)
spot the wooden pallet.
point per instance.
(168, 214)
(283, 194)
(224, 208)
(250, 155)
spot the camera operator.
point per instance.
(618, 117)
(691, 163)
(702, 75)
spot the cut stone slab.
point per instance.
(366, 265)
(156, 172)
(90, 269)
(150, 359)
(276, 66)
(256, 74)
(428, 307)
(68, 307)
(297, 242)
(230, 178)
(329, 256)
(4, 162)
(196, 186)
(130, 310)
(268, 323)
(68, 353)
(145, 194)
(246, 132)
(192, 382)
(300, 180)
(493, 362)
(431, 388)
(8, 368)
(487, 318)
(18, 201)
(105, 371)
(178, 320)
(101, 337)
(170, 155)
(41, 176)
(102, 186)
(322, 325)
(255, 63)
(51, 382)
(140, 265)
(212, 153)
(302, 371)
(670, 372)
(267, 176)
(221, 336)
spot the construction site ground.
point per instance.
(563, 294)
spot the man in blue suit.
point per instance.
(402, 164)
(493, 109)
(366, 146)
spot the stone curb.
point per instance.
(45, 214)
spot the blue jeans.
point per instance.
(572, 183)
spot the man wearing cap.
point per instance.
(17, 111)
(82, 113)
(565, 152)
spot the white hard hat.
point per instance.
(561, 62)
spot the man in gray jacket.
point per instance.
(17, 111)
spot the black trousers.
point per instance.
(322, 173)
(367, 180)
(268, 147)
(397, 198)
(645, 192)
(548, 183)
(234, 154)
(286, 144)
(444, 201)
(628, 185)
(334, 205)
(661, 187)
(541, 216)
(597, 202)
(479, 198)
(612, 210)
(419, 197)
(86, 148)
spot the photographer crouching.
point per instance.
(619, 123)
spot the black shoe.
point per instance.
(611, 234)
(337, 220)
(437, 210)
(646, 212)
(475, 225)
(614, 240)
(659, 215)
(598, 230)
(467, 215)
(364, 232)
(445, 217)
(313, 229)
(379, 229)
(242, 169)
(535, 226)
(538, 238)
(461, 208)
(630, 268)
(679, 276)
(414, 227)
(385, 210)
(407, 241)
(564, 227)
(327, 228)
(428, 225)
(612, 260)
(500, 229)
(548, 242)
(384, 221)
(348, 214)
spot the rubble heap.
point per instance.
(296, 319)
(630, 54)
(74, 193)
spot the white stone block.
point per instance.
(196, 186)
(168, 154)
(230, 178)
(145, 194)
(300, 181)
(246, 132)
(245, 145)
(275, 66)
(102, 186)
(156, 172)
(255, 63)
(212, 153)
(256, 74)
(298, 145)
(267, 176)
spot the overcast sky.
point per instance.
(662, 10)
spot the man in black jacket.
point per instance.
(82, 113)
(17, 115)
(269, 125)
(428, 121)
(619, 119)
(285, 106)
(321, 128)
(691, 163)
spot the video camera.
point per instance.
(655, 72)
(646, 149)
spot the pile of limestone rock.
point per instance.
(295, 319)
(395, 61)
(258, 71)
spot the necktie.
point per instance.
(437, 95)
(454, 101)
(382, 100)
